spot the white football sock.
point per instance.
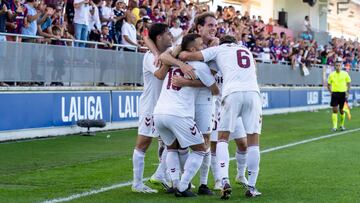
(192, 165)
(173, 165)
(214, 168)
(183, 155)
(241, 162)
(204, 169)
(253, 162)
(222, 154)
(138, 166)
(161, 169)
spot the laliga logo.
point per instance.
(81, 108)
(312, 98)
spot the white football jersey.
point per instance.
(236, 63)
(152, 86)
(180, 101)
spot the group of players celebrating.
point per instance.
(199, 95)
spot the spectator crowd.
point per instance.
(127, 23)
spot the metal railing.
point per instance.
(72, 41)
(33, 62)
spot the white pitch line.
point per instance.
(125, 184)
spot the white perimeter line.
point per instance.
(125, 184)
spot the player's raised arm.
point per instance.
(168, 59)
(182, 82)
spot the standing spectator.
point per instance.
(276, 50)
(257, 50)
(106, 14)
(81, 20)
(94, 23)
(119, 15)
(306, 25)
(157, 16)
(134, 8)
(128, 31)
(45, 29)
(32, 19)
(176, 32)
(17, 21)
(4, 14)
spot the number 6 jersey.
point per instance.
(180, 101)
(236, 63)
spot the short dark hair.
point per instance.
(200, 19)
(227, 39)
(156, 30)
(187, 40)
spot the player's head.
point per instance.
(338, 64)
(192, 42)
(227, 39)
(206, 25)
(159, 33)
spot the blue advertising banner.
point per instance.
(49, 109)
(36, 110)
(125, 105)
(71, 107)
(25, 110)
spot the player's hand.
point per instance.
(188, 71)
(184, 55)
(157, 61)
(214, 42)
(178, 81)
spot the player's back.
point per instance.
(174, 100)
(152, 85)
(236, 63)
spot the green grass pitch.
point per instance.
(326, 170)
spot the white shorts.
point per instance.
(183, 129)
(246, 105)
(237, 134)
(146, 126)
(203, 117)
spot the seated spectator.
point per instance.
(105, 38)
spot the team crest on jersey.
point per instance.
(172, 170)
(222, 165)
